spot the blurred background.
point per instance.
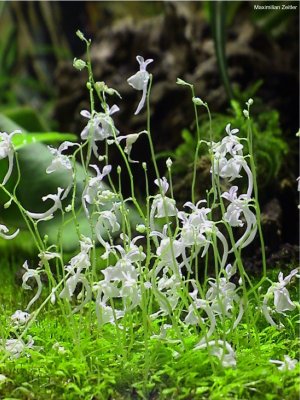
(229, 50)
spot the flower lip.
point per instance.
(139, 81)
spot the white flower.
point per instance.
(282, 301)
(7, 150)
(229, 168)
(4, 230)
(121, 280)
(230, 131)
(130, 140)
(107, 221)
(287, 365)
(16, 346)
(100, 126)
(240, 205)
(93, 186)
(222, 350)
(20, 318)
(105, 314)
(163, 206)
(139, 81)
(77, 264)
(60, 349)
(167, 293)
(163, 332)
(46, 256)
(222, 295)
(49, 214)
(162, 184)
(31, 273)
(229, 144)
(169, 248)
(61, 163)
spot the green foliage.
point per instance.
(270, 149)
(34, 158)
(72, 360)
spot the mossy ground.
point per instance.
(111, 364)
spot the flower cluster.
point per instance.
(155, 273)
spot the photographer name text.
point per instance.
(275, 7)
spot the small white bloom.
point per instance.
(3, 378)
(240, 205)
(169, 248)
(53, 296)
(17, 346)
(287, 365)
(32, 273)
(60, 349)
(93, 186)
(7, 150)
(163, 332)
(60, 161)
(230, 131)
(107, 222)
(4, 230)
(100, 126)
(222, 350)
(282, 300)
(139, 81)
(105, 314)
(163, 206)
(46, 256)
(130, 140)
(20, 318)
(49, 213)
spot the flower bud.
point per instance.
(144, 165)
(8, 204)
(80, 35)
(119, 169)
(198, 102)
(79, 64)
(183, 83)
(169, 163)
(250, 102)
(141, 228)
(89, 86)
(68, 208)
(246, 113)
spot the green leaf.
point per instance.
(47, 137)
(8, 125)
(26, 117)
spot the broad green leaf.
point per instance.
(8, 125)
(27, 117)
(47, 137)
